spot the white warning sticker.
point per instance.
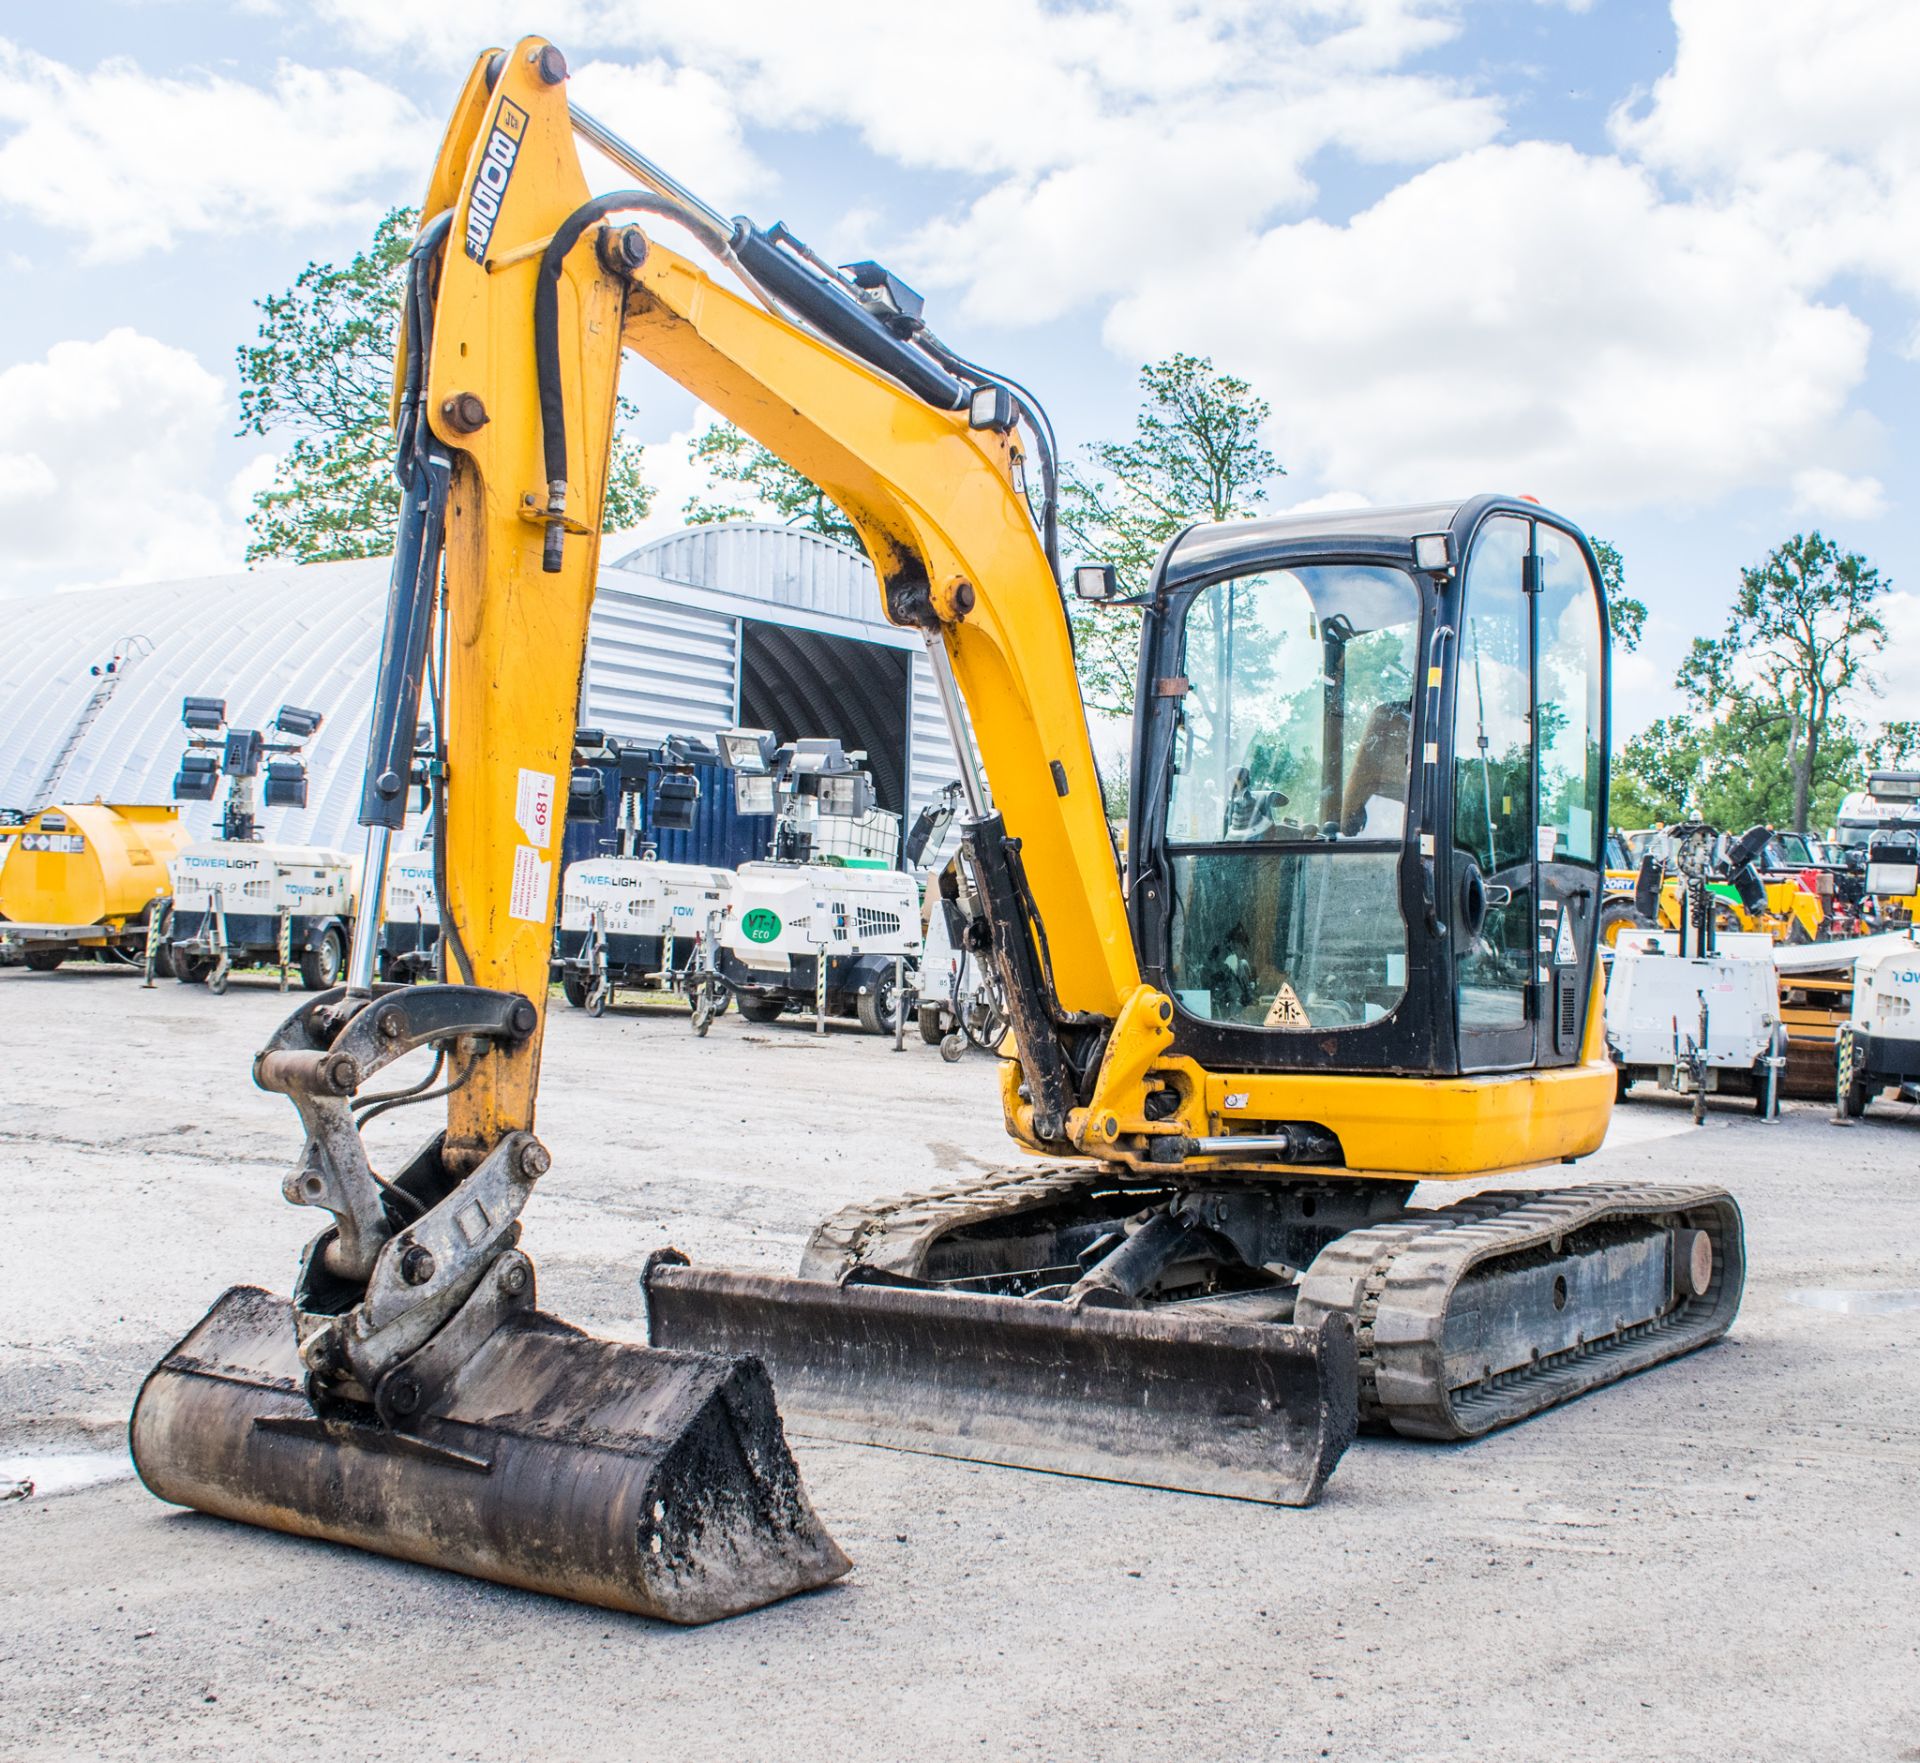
(1566, 952)
(528, 898)
(1286, 1010)
(533, 807)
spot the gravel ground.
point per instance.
(1719, 1559)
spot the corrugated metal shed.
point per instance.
(663, 658)
(274, 636)
(741, 570)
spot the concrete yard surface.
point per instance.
(1719, 1559)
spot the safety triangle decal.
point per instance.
(1285, 1010)
(1566, 952)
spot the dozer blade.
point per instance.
(1256, 1412)
(619, 1475)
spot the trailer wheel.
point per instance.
(217, 980)
(320, 966)
(1853, 1103)
(930, 1029)
(878, 1006)
(758, 1009)
(44, 960)
(189, 970)
(708, 1001)
(574, 989)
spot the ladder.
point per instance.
(125, 653)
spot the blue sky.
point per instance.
(1659, 264)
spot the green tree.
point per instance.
(1801, 631)
(1655, 775)
(1626, 616)
(1195, 454)
(1733, 771)
(1896, 746)
(761, 483)
(320, 373)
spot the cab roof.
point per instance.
(1387, 533)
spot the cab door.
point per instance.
(1529, 774)
(1570, 697)
(1495, 888)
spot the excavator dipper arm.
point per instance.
(411, 1398)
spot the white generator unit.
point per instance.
(628, 921)
(867, 841)
(251, 904)
(237, 900)
(827, 924)
(1697, 1024)
(820, 938)
(410, 931)
(633, 922)
(1880, 1044)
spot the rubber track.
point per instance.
(1392, 1280)
(897, 1233)
(1395, 1282)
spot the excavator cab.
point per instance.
(1371, 790)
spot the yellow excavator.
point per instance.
(1353, 948)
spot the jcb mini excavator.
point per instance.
(1355, 948)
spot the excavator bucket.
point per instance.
(1252, 1411)
(619, 1475)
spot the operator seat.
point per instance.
(1379, 765)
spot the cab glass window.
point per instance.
(1288, 801)
(1572, 764)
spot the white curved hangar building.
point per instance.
(736, 624)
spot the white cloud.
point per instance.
(1805, 115)
(1333, 502)
(1522, 318)
(687, 107)
(1654, 326)
(134, 161)
(106, 452)
(1085, 129)
(1833, 495)
(25, 478)
(674, 478)
(1898, 664)
(246, 483)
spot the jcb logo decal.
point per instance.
(491, 180)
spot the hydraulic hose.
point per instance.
(423, 472)
(546, 347)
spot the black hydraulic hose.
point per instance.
(419, 337)
(450, 939)
(1037, 420)
(408, 1098)
(433, 1071)
(834, 310)
(546, 346)
(424, 474)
